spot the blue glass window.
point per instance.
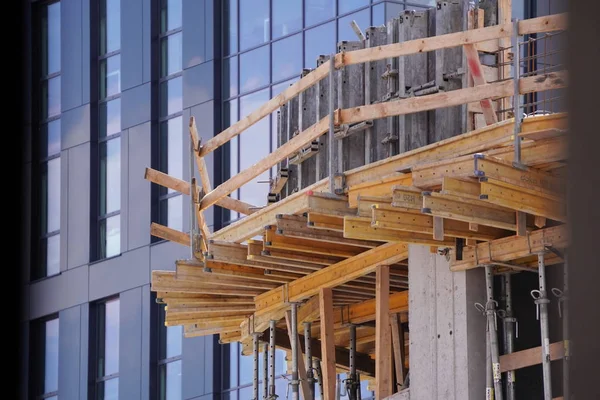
(254, 23)
(318, 41)
(287, 58)
(287, 17)
(254, 69)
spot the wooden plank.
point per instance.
(528, 178)
(229, 337)
(438, 228)
(191, 331)
(512, 248)
(160, 178)
(476, 71)
(529, 357)
(461, 188)
(383, 366)
(511, 196)
(533, 25)
(452, 98)
(164, 232)
(304, 387)
(468, 211)
(325, 221)
(408, 221)
(200, 220)
(166, 281)
(504, 18)
(379, 187)
(407, 197)
(398, 347)
(361, 228)
(327, 343)
(276, 241)
(200, 162)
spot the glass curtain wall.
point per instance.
(44, 360)
(49, 141)
(169, 359)
(109, 130)
(171, 111)
(106, 356)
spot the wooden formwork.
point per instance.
(415, 170)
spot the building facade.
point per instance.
(113, 84)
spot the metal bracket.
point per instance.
(339, 183)
(389, 139)
(454, 75)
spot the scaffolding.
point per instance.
(322, 270)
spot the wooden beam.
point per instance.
(529, 357)
(191, 331)
(438, 228)
(452, 98)
(325, 221)
(476, 72)
(383, 366)
(512, 248)
(200, 218)
(398, 346)
(407, 220)
(504, 18)
(166, 281)
(361, 228)
(327, 343)
(308, 312)
(173, 235)
(200, 162)
(160, 178)
(468, 210)
(229, 337)
(527, 201)
(378, 187)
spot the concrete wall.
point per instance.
(81, 281)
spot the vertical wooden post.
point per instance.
(383, 355)
(327, 343)
(521, 223)
(398, 343)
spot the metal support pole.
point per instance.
(509, 331)
(489, 381)
(317, 364)
(331, 140)
(294, 343)
(516, 95)
(192, 205)
(271, 359)
(541, 300)
(265, 381)
(310, 378)
(255, 378)
(351, 380)
(490, 308)
(565, 320)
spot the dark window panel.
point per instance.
(318, 11)
(254, 23)
(50, 139)
(171, 97)
(51, 196)
(345, 31)
(111, 337)
(255, 145)
(50, 255)
(393, 10)
(170, 15)
(110, 118)
(51, 39)
(379, 14)
(110, 76)
(231, 27)
(51, 356)
(287, 58)
(170, 381)
(254, 69)
(110, 26)
(318, 41)
(51, 98)
(230, 77)
(351, 5)
(110, 176)
(287, 17)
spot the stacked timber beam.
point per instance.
(410, 176)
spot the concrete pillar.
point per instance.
(447, 333)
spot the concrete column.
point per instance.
(447, 333)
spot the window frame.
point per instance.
(97, 338)
(163, 196)
(100, 221)
(39, 265)
(38, 345)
